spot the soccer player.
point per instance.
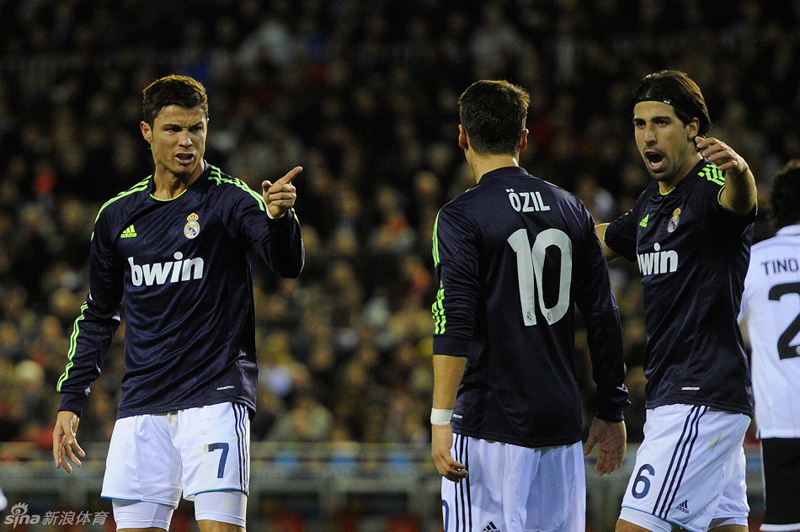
(771, 316)
(178, 246)
(690, 231)
(514, 255)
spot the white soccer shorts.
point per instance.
(690, 470)
(157, 457)
(515, 488)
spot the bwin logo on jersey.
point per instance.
(658, 261)
(164, 272)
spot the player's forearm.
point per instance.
(285, 247)
(447, 374)
(608, 364)
(740, 193)
(90, 341)
(600, 229)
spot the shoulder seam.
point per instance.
(219, 178)
(138, 187)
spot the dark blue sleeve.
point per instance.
(94, 329)
(620, 235)
(595, 299)
(277, 241)
(456, 261)
(284, 245)
(726, 222)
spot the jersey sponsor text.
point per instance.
(163, 272)
(658, 262)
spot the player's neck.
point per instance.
(169, 185)
(486, 163)
(687, 166)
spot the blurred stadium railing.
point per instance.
(308, 487)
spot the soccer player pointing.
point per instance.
(690, 232)
(178, 247)
(514, 255)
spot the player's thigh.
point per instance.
(143, 463)
(214, 526)
(515, 488)
(781, 462)
(733, 509)
(557, 498)
(687, 455)
(221, 510)
(214, 443)
(134, 516)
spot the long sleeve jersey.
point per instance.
(185, 269)
(514, 255)
(693, 256)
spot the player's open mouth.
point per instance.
(185, 158)
(655, 160)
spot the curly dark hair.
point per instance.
(785, 196)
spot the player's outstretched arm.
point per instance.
(281, 195)
(613, 443)
(65, 442)
(740, 194)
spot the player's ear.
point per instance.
(147, 132)
(523, 141)
(693, 129)
(463, 139)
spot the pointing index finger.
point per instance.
(290, 175)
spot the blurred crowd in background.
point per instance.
(362, 94)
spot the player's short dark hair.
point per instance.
(494, 113)
(677, 89)
(785, 195)
(172, 90)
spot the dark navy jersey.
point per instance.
(184, 267)
(693, 256)
(514, 255)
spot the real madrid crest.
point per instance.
(192, 227)
(673, 222)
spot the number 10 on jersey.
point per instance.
(530, 272)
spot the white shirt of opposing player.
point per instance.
(770, 318)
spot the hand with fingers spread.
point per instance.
(65, 442)
(441, 440)
(612, 440)
(281, 195)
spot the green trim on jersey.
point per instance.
(73, 345)
(712, 173)
(216, 176)
(166, 200)
(138, 187)
(439, 317)
(436, 241)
